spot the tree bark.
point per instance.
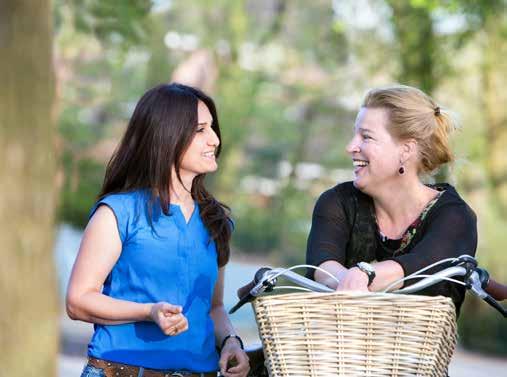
(28, 311)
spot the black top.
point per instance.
(344, 229)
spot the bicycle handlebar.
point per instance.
(476, 280)
(496, 290)
(437, 277)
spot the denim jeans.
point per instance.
(91, 371)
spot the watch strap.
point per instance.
(232, 336)
(369, 272)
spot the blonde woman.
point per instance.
(387, 214)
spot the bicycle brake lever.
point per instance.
(491, 301)
(247, 298)
(476, 281)
(483, 277)
(254, 288)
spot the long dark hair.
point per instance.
(160, 130)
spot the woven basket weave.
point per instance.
(354, 334)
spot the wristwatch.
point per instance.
(232, 336)
(368, 270)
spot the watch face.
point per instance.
(368, 270)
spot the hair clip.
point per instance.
(437, 111)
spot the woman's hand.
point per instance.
(169, 318)
(353, 280)
(233, 360)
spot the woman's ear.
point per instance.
(409, 150)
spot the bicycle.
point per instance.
(298, 332)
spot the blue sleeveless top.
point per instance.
(172, 261)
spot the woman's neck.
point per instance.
(181, 191)
(398, 207)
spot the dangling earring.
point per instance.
(401, 170)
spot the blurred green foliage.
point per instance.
(288, 77)
(481, 329)
(80, 190)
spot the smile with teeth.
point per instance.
(360, 163)
(209, 154)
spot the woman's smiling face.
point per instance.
(375, 153)
(200, 156)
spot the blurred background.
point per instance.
(288, 78)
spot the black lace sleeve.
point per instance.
(330, 231)
(450, 232)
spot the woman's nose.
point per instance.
(213, 139)
(352, 146)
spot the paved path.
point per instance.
(468, 364)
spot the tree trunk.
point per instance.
(28, 311)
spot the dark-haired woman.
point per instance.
(387, 223)
(150, 270)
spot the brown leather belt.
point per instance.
(112, 369)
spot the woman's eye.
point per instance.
(200, 129)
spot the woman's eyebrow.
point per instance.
(362, 129)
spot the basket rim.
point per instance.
(356, 294)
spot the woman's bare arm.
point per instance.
(100, 249)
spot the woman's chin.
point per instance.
(213, 167)
(359, 184)
(210, 168)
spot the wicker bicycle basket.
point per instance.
(355, 334)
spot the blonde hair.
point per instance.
(415, 115)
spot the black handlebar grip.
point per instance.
(496, 290)
(244, 290)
